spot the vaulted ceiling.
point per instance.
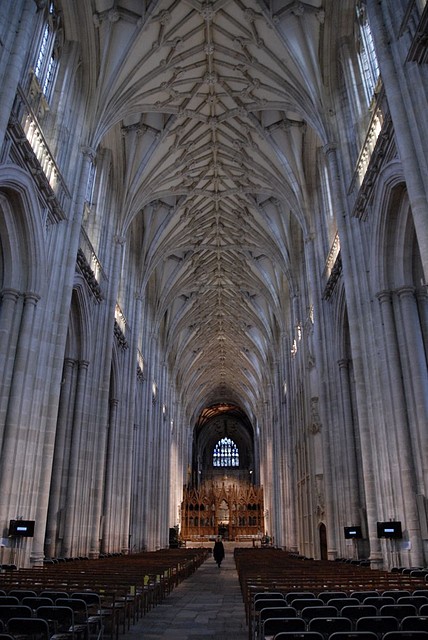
(213, 112)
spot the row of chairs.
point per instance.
(270, 626)
(126, 603)
(306, 606)
(276, 570)
(352, 635)
(67, 619)
(126, 586)
(85, 606)
(415, 572)
(327, 627)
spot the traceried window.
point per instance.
(366, 52)
(47, 57)
(225, 454)
(90, 185)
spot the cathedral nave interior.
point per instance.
(213, 276)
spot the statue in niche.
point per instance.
(309, 345)
(315, 425)
(320, 496)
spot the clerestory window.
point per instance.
(225, 454)
(46, 65)
(366, 52)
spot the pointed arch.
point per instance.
(22, 242)
(80, 322)
(395, 251)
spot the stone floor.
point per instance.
(206, 606)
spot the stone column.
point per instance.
(73, 505)
(268, 457)
(128, 476)
(9, 299)
(58, 462)
(415, 379)
(136, 469)
(422, 298)
(8, 335)
(14, 438)
(278, 454)
(136, 519)
(156, 448)
(316, 364)
(106, 334)
(65, 283)
(364, 426)
(284, 450)
(394, 406)
(292, 462)
(149, 447)
(109, 503)
(167, 460)
(348, 452)
(23, 30)
(399, 446)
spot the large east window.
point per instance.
(225, 454)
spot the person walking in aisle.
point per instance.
(218, 551)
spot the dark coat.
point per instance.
(218, 551)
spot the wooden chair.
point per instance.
(379, 624)
(272, 626)
(303, 603)
(353, 635)
(379, 601)
(398, 611)
(420, 592)
(298, 595)
(261, 604)
(80, 611)
(14, 611)
(22, 593)
(298, 635)
(54, 595)
(32, 628)
(36, 601)
(327, 626)
(396, 593)
(417, 601)
(362, 595)
(414, 623)
(406, 635)
(325, 596)
(339, 603)
(94, 612)
(326, 611)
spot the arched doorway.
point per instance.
(323, 541)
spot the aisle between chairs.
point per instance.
(206, 606)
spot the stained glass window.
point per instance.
(225, 454)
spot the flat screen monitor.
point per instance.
(24, 528)
(389, 529)
(353, 532)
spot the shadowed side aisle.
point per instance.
(206, 606)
